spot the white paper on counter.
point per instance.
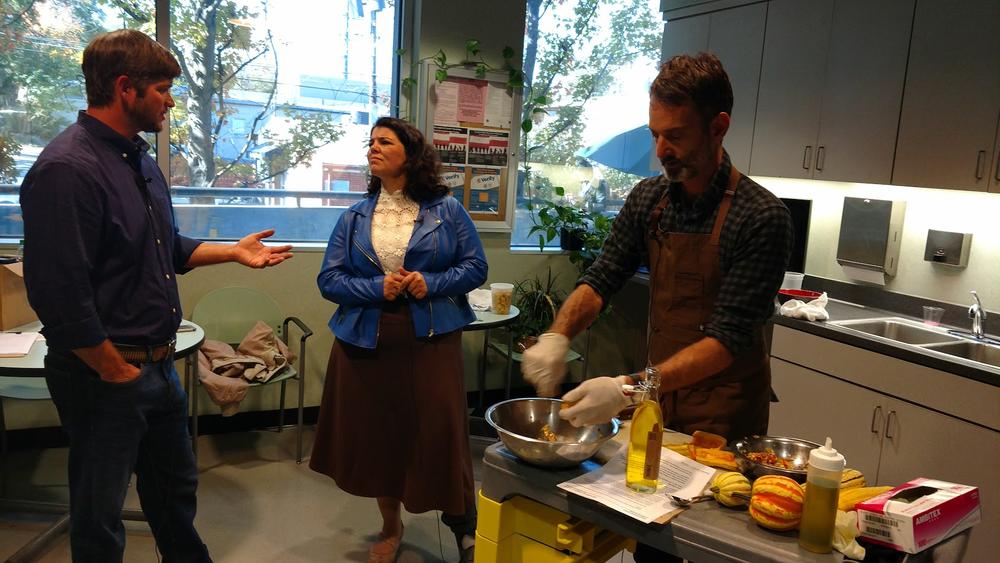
(679, 476)
(17, 344)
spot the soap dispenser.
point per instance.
(819, 512)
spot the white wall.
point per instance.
(945, 210)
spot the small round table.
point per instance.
(487, 320)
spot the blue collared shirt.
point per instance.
(101, 243)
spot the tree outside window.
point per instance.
(593, 61)
(271, 94)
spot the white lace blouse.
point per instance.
(392, 226)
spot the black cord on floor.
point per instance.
(440, 543)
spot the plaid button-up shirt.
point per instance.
(755, 244)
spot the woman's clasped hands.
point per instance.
(403, 281)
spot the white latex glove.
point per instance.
(598, 400)
(844, 532)
(544, 364)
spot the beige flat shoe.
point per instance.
(385, 549)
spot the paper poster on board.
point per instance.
(453, 176)
(488, 147)
(484, 190)
(471, 120)
(446, 103)
(498, 106)
(471, 100)
(451, 143)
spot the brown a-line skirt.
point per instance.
(393, 421)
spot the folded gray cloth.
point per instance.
(225, 388)
(226, 374)
(262, 343)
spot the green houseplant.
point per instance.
(581, 232)
(538, 301)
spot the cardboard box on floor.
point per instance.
(14, 308)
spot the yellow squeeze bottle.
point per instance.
(819, 511)
(642, 469)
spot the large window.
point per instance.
(593, 62)
(273, 106)
(41, 86)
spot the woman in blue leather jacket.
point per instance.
(392, 422)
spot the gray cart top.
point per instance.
(705, 532)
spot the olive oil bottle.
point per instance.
(642, 470)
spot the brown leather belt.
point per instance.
(135, 354)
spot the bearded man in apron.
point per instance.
(716, 243)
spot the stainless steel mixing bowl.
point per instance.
(519, 423)
(793, 449)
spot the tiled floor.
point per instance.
(254, 504)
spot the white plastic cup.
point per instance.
(793, 280)
(502, 294)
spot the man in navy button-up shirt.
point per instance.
(101, 255)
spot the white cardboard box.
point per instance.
(918, 514)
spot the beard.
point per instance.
(143, 118)
(688, 167)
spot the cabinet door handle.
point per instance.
(888, 423)
(980, 162)
(875, 413)
(807, 157)
(820, 157)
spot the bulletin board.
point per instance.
(474, 123)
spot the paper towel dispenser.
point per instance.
(948, 248)
(870, 233)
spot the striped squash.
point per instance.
(852, 478)
(726, 483)
(776, 502)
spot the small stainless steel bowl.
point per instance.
(519, 424)
(792, 449)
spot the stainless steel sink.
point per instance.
(970, 350)
(899, 330)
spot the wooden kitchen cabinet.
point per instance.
(831, 86)
(949, 116)
(736, 36)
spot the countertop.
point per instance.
(841, 310)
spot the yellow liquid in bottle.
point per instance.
(819, 514)
(642, 469)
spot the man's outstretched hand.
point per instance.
(250, 251)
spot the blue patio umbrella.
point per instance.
(630, 151)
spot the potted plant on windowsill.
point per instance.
(581, 232)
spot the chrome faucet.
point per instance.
(978, 316)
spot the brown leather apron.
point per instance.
(684, 281)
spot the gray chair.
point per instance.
(227, 314)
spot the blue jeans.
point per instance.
(115, 430)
